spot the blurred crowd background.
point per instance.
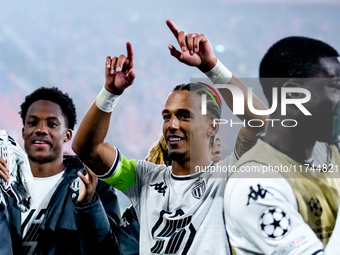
(65, 43)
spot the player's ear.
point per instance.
(23, 133)
(68, 135)
(213, 128)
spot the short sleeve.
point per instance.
(261, 216)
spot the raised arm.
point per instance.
(196, 51)
(89, 142)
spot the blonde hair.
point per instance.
(158, 154)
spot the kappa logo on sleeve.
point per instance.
(255, 195)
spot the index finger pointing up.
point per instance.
(129, 52)
(172, 27)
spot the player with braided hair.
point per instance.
(178, 207)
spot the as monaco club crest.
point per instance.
(198, 189)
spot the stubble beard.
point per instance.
(41, 159)
(177, 156)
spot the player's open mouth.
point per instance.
(174, 139)
(40, 142)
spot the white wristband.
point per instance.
(106, 101)
(219, 74)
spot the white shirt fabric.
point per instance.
(20, 185)
(43, 191)
(333, 246)
(261, 217)
(179, 214)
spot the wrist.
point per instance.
(106, 101)
(113, 90)
(85, 202)
(210, 64)
(219, 74)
